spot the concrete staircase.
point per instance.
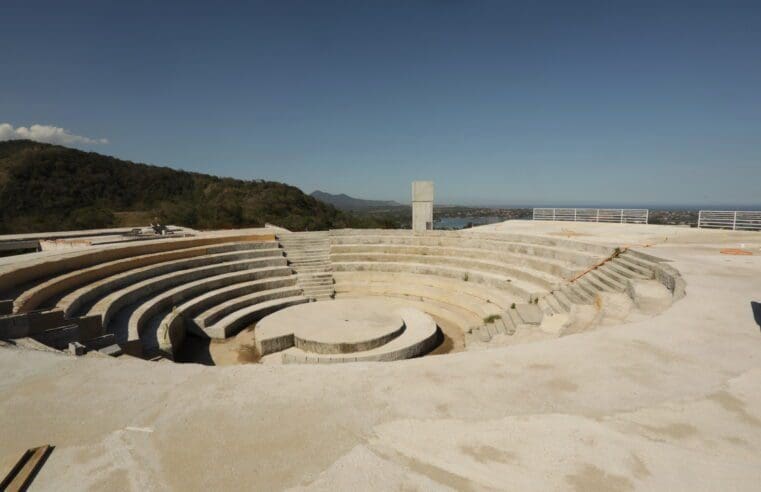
(308, 254)
(612, 275)
(519, 316)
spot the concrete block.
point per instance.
(28, 324)
(89, 326)
(650, 296)
(422, 206)
(422, 191)
(76, 348)
(112, 350)
(100, 342)
(60, 337)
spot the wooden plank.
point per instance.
(25, 470)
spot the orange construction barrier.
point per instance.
(731, 251)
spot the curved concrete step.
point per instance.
(237, 320)
(37, 270)
(578, 259)
(465, 302)
(594, 249)
(108, 306)
(483, 293)
(212, 315)
(172, 326)
(83, 298)
(523, 290)
(167, 299)
(542, 280)
(57, 286)
(549, 266)
(420, 336)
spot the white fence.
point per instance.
(613, 215)
(736, 220)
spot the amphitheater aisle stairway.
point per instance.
(612, 274)
(308, 254)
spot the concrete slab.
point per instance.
(677, 405)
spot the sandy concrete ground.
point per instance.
(666, 403)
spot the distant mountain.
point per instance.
(346, 202)
(48, 187)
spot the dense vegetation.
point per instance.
(47, 188)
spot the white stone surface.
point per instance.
(669, 402)
(340, 326)
(650, 296)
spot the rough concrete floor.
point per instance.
(667, 403)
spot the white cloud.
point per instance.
(46, 134)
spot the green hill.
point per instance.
(48, 188)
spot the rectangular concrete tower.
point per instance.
(422, 206)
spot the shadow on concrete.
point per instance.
(444, 344)
(194, 350)
(756, 308)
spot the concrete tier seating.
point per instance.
(478, 284)
(172, 326)
(551, 266)
(308, 253)
(108, 306)
(572, 252)
(465, 303)
(526, 267)
(37, 295)
(520, 289)
(139, 319)
(238, 320)
(15, 277)
(532, 280)
(81, 300)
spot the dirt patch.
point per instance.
(564, 385)
(676, 431)
(591, 478)
(568, 233)
(489, 454)
(733, 404)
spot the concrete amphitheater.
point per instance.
(522, 355)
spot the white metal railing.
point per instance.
(611, 215)
(737, 220)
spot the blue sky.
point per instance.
(566, 103)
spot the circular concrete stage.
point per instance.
(346, 331)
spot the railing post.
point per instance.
(700, 218)
(574, 215)
(622, 215)
(553, 215)
(647, 216)
(597, 219)
(734, 222)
